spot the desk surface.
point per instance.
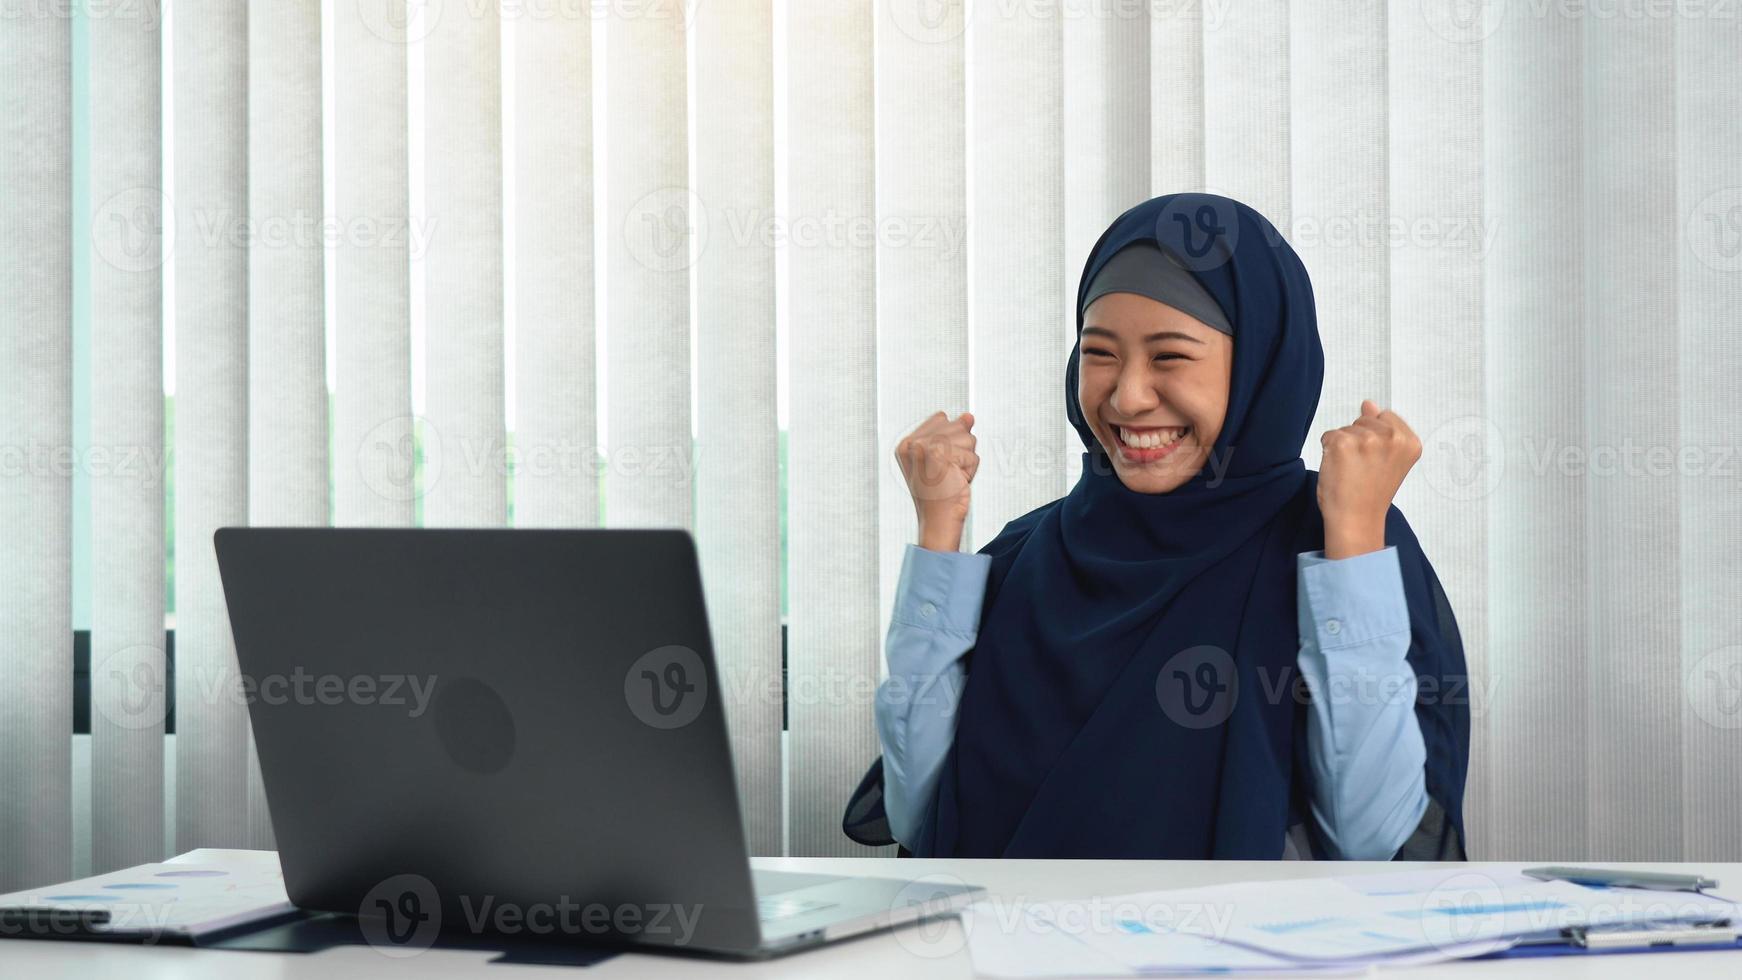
(912, 954)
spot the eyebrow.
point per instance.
(1159, 335)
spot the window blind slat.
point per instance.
(1176, 101)
(1436, 326)
(1533, 308)
(1246, 107)
(36, 705)
(211, 424)
(374, 483)
(1632, 399)
(922, 250)
(648, 255)
(1017, 255)
(1338, 211)
(1708, 144)
(128, 672)
(287, 377)
(555, 419)
(462, 173)
(833, 644)
(737, 453)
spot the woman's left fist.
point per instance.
(1364, 463)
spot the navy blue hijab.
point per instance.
(1133, 690)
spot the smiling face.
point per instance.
(1153, 385)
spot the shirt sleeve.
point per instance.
(1364, 744)
(935, 619)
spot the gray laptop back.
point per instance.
(493, 720)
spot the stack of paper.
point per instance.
(190, 897)
(1314, 925)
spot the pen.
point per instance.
(1612, 878)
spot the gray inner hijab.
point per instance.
(1143, 268)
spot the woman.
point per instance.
(1204, 650)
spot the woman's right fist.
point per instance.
(938, 461)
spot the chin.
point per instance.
(1139, 482)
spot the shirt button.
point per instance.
(1333, 626)
(928, 610)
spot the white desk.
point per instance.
(915, 954)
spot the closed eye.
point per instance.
(1097, 352)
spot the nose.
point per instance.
(1134, 393)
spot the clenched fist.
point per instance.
(1364, 464)
(939, 462)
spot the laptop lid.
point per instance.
(495, 731)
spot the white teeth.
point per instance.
(1149, 440)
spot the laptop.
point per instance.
(514, 733)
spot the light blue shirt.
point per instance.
(1364, 746)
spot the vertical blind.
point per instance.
(1523, 225)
